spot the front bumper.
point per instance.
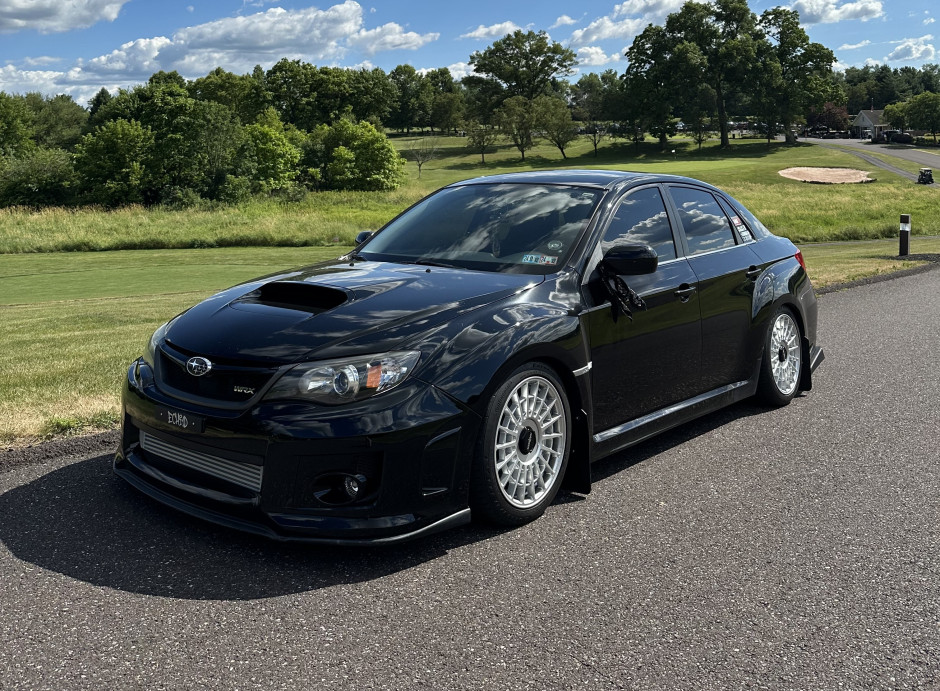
(269, 470)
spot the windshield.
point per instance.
(514, 227)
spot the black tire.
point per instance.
(781, 369)
(523, 449)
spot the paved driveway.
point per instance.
(923, 157)
(788, 549)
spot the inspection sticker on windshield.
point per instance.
(539, 259)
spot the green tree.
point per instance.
(711, 44)
(516, 119)
(415, 98)
(481, 139)
(923, 113)
(243, 94)
(15, 126)
(57, 122)
(373, 95)
(524, 64)
(652, 82)
(895, 114)
(111, 162)
(802, 80)
(98, 100)
(591, 100)
(267, 158)
(553, 118)
(447, 100)
(290, 86)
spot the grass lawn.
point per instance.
(72, 319)
(749, 171)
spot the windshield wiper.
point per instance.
(356, 257)
(431, 262)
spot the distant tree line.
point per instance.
(297, 127)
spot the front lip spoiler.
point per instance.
(458, 518)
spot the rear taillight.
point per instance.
(799, 258)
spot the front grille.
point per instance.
(242, 474)
(228, 384)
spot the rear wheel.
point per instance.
(523, 449)
(782, 365)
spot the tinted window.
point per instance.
(705, 224)
(757, 228)
(641, 218)
(515, 227)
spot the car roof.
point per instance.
(587, 178)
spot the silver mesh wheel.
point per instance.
(530, 442)
(785, 353)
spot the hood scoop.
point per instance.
(295, 295)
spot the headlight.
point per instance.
(151, 350)
(332, 382)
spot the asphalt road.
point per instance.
(926, 158)
(787, 549)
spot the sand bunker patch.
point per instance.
(826, 176)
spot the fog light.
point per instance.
(353, 485)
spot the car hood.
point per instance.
(363, 307)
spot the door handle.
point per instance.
(753, 272)
(685, 292)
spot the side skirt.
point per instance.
(629, 433)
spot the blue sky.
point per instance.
(79, 46)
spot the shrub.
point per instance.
(350, 156)
(39, 177)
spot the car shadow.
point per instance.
(83, 522)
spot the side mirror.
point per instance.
(631, 260)
(363, 236)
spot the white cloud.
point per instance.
(235, 43)
(929, 20)
(830, 11)
(563, 20)
(854, 46)
(389, 37)
(459, 70)
(606, 28)
(647, 8)
(54, 16)
(626, 21)
(492, 31)
(41, 61)
(594, 56)
(16, 81)
(135, 59)
(912, 49)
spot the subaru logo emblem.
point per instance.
(198, 366)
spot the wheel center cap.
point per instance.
(527, 441)
(782, 354)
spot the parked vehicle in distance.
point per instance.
(477, 353)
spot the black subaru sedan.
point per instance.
(473, 356)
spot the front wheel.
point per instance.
(782, 365)
(523, 449)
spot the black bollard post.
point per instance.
(905, 246)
